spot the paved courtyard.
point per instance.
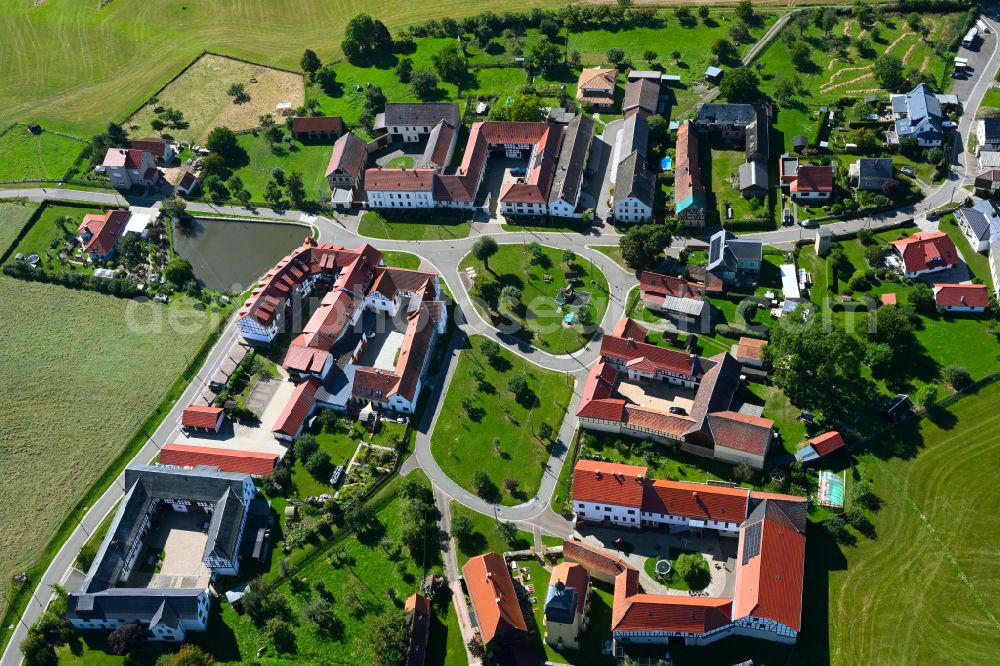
(182, 538)
(719, 551)
(657, 395)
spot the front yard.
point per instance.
(415, 225)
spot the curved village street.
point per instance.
(445, 256)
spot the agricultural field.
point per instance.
(538, 318)
(462, 442)
(45, 156)
(65, 421)
(929, 475)
(430, 225)
(200, 93)
(832, 75)
(75, 66)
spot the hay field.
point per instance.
(76, 383)
(200, 93)
(76, 66)
(25, 156)
(13, 217)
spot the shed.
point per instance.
(670, 79)
(713, 74)
(800, 143)
(35, 128)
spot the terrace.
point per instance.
(656, 396)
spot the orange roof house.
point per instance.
(299, 408)
(227, 460)
(820, 446)
(596, 87)
(100, 233)
(494, 601)
(962, 297)
(202, 417)
(926, 253)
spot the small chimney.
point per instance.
(489, 574)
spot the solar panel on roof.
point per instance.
(751, 541)
(715, 250)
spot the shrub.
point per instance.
(957, 377)
(691, 567)
(125, 638)
(281, 634)
(319, 465)
(305, 446)
(858, 282)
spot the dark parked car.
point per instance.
(678, 410)
(216, 386)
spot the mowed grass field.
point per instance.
(79, 373)
(13, 217)
(463, 441)
(936, 562)
(27, 156)
(201, 94)
(75, 65)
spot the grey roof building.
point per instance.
(724, 117)
(871, 173)
(918, 116)
(758, 137)
(421, 115)
(568, 177)
(753, 179)
(634, 137)
(734, 260)
(980, 224)
(633, 181)
(203, 503)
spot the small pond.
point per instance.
(229, 255)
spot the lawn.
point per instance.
(444, 642)
(724, 166)
(463, 443)
(71, 382)
(612, 251)
(674, 581)
(485, 537)
(929, 475)
(401, 259)
(47, 231)
(538, 318)
(13, 217)
(308, 159)
(46, 156)
(991, 100)
(431, 225)
(200, 93)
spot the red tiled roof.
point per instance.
(494, 601)
(597, 79)
(399, 180)
(668, 424)
(629, 328)
(696, 500)
(153, 146)
(304, 359)
(594, 559)
(659, 612)
(670, 360)
(348, 155)
(374, 384)
(813, 178)
(687, 172)
(413, 352)
(751, 348)
(666, 285)
(105, 229)
(926, 250)
(827, 443)
(200, 416)
(389, 280)
(297, 410)
(751, 434)
(605, 409)
(608, 483)
(961, 295)
(227, 460)
(575, 576)
(769, 585)
(318, 124)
